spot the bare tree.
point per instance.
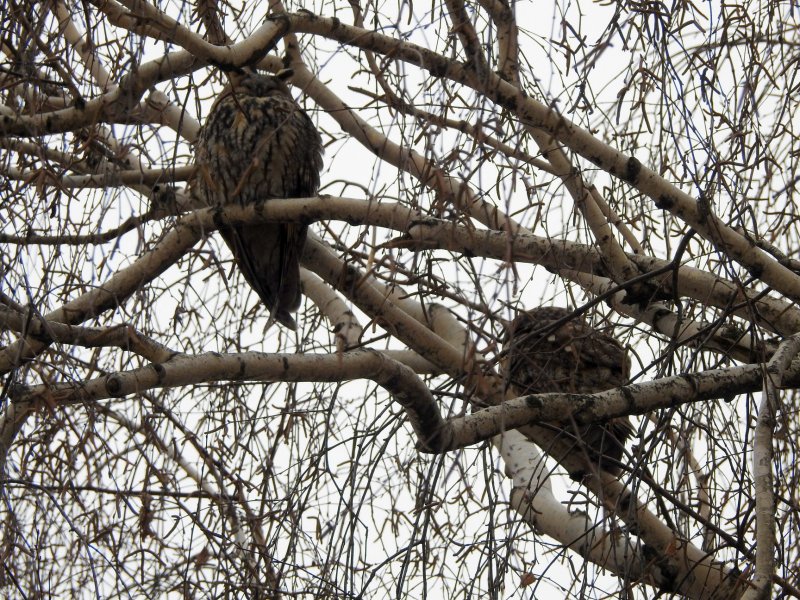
(635, 163)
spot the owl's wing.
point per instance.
(268, 257)
(596, 350)
(293, 240)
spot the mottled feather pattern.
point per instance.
(548, 350)
(257, 144)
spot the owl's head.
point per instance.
(537, 322)
(265, 85)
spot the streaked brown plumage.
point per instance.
(571, 357)
(258, 144)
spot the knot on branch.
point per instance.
(114, 386)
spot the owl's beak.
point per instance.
(285, 74)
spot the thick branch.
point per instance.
(532, 497)
(182, 370)
(637, 398)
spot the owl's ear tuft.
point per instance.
(284, 74)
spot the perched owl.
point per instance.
(258, 144)
(571, 357)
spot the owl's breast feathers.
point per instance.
(257, 148)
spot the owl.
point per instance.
(258, 144)
(542, 356)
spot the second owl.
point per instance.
(549, 350)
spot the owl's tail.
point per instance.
(605, 442)
(268, 256)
